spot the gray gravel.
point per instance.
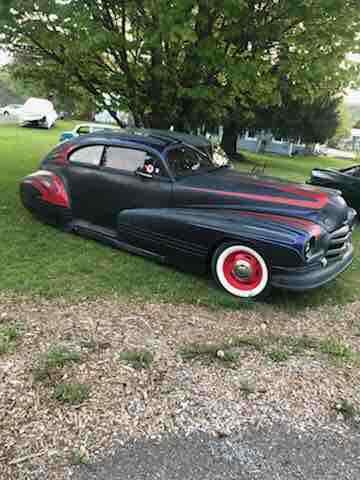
(276, 453)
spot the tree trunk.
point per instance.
(229, 140)
(158, 119)
(116, 118)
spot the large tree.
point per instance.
(186, 62)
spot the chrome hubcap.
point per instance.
(242, 270)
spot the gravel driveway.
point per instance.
(276, 453)
(265, 415)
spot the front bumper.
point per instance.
(311, 276)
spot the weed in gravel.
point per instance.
(137, 358)
(93, 345)
(79, 457)
(253, 342)
(278, 355)
(8, 336)
(300, 344)
(208, 351)
(347, 409)
(73, 393)
(336, 349)
(247, 388)
(52, 360)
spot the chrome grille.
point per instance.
(340, 241)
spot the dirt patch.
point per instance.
(172, 394)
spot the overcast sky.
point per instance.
(3, 58)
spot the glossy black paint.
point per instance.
(346, 180)
(182, 221)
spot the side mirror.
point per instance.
(143, 174)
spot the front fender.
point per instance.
(196, 233)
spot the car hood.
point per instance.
(226, 188)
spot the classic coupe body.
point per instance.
(347, 180)
(162, 198)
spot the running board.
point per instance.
(109, 237)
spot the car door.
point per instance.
(82, 175)
(105, 181)
(124, 184)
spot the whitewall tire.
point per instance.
(241, 271)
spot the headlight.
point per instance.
(310, 247)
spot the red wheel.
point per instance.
(241, 271)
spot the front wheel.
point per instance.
(241, 271)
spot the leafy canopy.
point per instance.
(186, 62)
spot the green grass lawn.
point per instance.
(37, 259)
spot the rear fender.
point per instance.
(45, 195)
(50, 186)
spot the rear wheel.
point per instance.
(241, 271)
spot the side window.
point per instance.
(183, 161)
(88, 155)
(130, 160)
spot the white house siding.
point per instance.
(271, 146)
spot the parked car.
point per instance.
(85, 129)
(12, 110)
(38, 112)
(164, 199)
(347, 180)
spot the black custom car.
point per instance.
(157, 196)
(347, 180)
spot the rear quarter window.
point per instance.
(87, 155)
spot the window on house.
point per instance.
(278, 139)
(251, 134)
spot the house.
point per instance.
(104, 117)
(355, 139)
(265, 142)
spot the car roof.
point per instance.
(196, 140)
(115, 137)
(157, 139)
(99, 125)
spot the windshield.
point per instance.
(184, 161)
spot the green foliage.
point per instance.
(313, 122)
(347, 409)
(279, 355)
(186, 63)
(53, 360)
(79, 457)
(73, 393)
(8, 336)
(344, 129)
(254, 342)
(137, 358)
(336, 349)
(210, 352)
